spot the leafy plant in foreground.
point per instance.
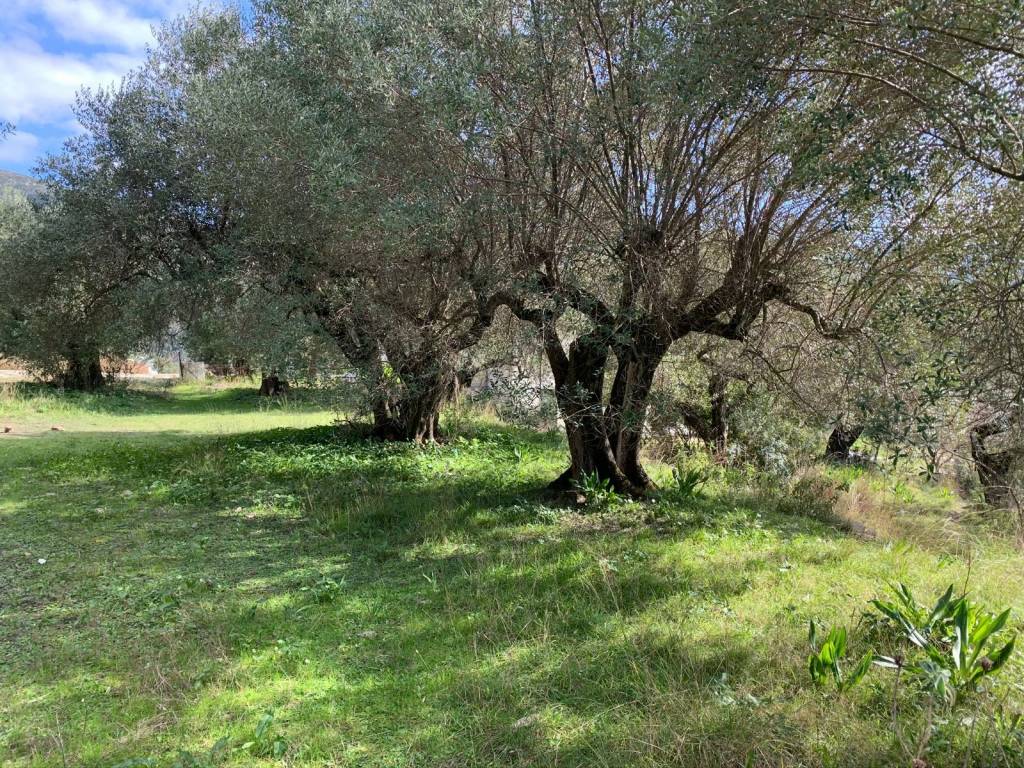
(264, 743)
(688, 481)
(955, 641)
(214, 756)
(824, 661)
(323, 590)
(916, 623)
(598, 492)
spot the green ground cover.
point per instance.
(196, 571)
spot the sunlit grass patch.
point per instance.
(399, 606)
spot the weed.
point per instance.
(826, 659)
(263, 743)
(688, 481)
(955, 641)
(324, 589)
(598, 492)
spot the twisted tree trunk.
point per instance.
(83, 372)
(604, 439)
(993, 465)
(626, 414)
(273, 385)
(579, 384)
(841, 440)
(407, 405)
(419, 409)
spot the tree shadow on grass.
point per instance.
(392, 605)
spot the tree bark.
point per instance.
(626, 414)
(84, 372)
(841, 440)
(273, 385)
(993, 466)
(407, 388)
(579, 385)
(719, 412)
(384, 422)
(415, 413)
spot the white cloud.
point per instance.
(20, 148)
(117, 23)
(38, 86)
(51, 49)
(98, 22)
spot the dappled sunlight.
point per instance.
(386, 601)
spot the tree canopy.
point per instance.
(826, 189)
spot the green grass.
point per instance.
(210, 558)
(182, 410)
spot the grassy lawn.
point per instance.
(176, 564)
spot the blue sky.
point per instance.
(51, 48)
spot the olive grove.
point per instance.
(820, 200)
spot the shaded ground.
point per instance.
(401, 607)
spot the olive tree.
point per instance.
(678, 175)
(71, 302)
(341, 202)
(126, 227)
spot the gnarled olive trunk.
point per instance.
(413, 411)
(993, 465)
(626, 413)
(82, 373)
(604, 439)
(273, 385)
(579, 383)
(841, 440)
(408, 386)
(383, 410)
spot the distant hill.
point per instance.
(20, 182)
